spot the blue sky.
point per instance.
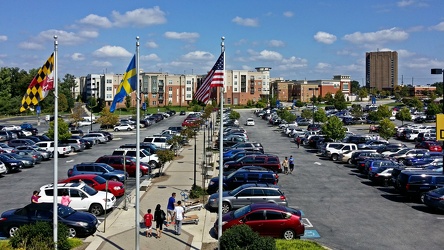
(297, 39)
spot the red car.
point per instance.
(268, 219)
(430, 145)
(98, 183)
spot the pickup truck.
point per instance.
(63, 149)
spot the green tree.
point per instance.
(320, 116)
(67, 87)
(63, 130)
(128, 101)
(416, 103)
(434, 109)
(355, 87)
(234, 115)
(63, 103)
(357, 111)
(404, 91)
(386, 129)
(333, 129)
(404, 115)
(307, 114)
(439, 88)
(339, 100)
(362, 93)
(383, 112)
(107, 119)
(329, 99)
(77, 112)
(164, 157)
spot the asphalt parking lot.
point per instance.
(344, 209)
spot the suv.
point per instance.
(333, 153)
(266, 160)
(417, 183)
(151, 148)
(243, 176)
(20, 142)
(249, 146)
(102, 169)
(145, 156)
(160, 142)
(248, 194)
(117, 162)
(83, 197)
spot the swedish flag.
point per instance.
(127, 85)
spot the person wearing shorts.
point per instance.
(291, 163)
(170, 208)
(148, 218)
(159, 217)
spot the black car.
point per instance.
(78, 223)
(11, 164)
(182, 113)
(105, 133)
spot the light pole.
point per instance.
(312, 99)
(91, 107)
(440, 72)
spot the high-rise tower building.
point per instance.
(381, 70)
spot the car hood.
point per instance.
(80, 216)
(9, 212)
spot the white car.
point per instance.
(127, 127)
(83, 197)
(83, 123)
(249, 122)
(3, 169)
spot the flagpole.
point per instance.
(221, 149)
(137, 221)
(56, 146)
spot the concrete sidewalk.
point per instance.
(119, 229)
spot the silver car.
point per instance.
(246, 195)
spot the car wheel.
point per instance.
(349, 161)
(12, 230)
(422, 197)
(289, 234)
(153, 164)
(128, 129)
(96, 209)
(334, 157)
(140, 174)
(71, 232)
(116, 129)
(113, 179)
(7, 170)
(226, 207)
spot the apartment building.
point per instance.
(381, 70)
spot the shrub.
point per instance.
(243, 237)
(39, 236)
(282, 244)
(196, 192)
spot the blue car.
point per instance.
(423, 159)
(232, 152)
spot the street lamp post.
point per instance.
(91, 108)
(312, 100)
(440, 72)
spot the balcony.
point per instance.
(161, 90)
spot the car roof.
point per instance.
(267, 205)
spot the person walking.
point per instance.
(35, 197)
(170, 209)
(179, 214)
(298, 141)
(159, 217)
(285, 165)
(148, 219)
(291, 164)
(65, 199)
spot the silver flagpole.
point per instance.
(56, 145)
(137, 146)
(221, 149)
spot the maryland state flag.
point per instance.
(40, 86)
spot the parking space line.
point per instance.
(310, 234)
(306, 222)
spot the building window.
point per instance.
(108, 96)
(109, 81)
(235, 82)
(154, 103)
(170, 95)
(188, 82)
(154, 95)
(188, 95)
(345, 86)
(259, 89)
(109, 88)
(235, 89)
(170, 81)
(170, 88)
(228, 100)
(235, 76)
(188, 88)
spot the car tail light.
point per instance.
(407, 187)
(69, 172)
(283, 197)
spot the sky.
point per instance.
(298, 39)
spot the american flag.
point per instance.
(214, 78)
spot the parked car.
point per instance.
(146, 157)
(247, 194)
(45, 155)
(252, 146)
(417, 183)
(266, 160)
(435, 199)
(160, 142)
(432, 146)
(267, 219)
(12, 165)
(80, 224)
(125, 127)
(101, 169)
(27, 158)
(20, 142)
(118, 162)
(249, 122)
(98, 137)
(241, 154)
(83, 197)
(98, 183)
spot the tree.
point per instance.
(339, 100)
(433, 109)
(357, 111)
(234, 115)
(362, 93)
(320, 116)
(405, 91)
(307, 114)
(164, 156)
(329, 99)
(77, 112)
(416, 103)
(107, 119)
(404, 115)
(63, 103)
(355, 87)
(128, 101)
(383, 112)
(333, 129)
(386, 129)
(63, 130)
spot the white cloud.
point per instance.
(405, 3)
(190, 36)
(292, 63)
(405, 53)
(88, 34)
(95, 20)
(64, 37)
(322, 65)
(77, 57)
(288, 14)
(439, 27)
(266, 55)
(112, 51)
(30, 46)
(381, 36)
(101, 64)
(345, 52)
(324, 37)
(250, 22)
(150, 57)
(139, 17)
(3, 38)
(151, 44)
(198, 55)
(276, 43)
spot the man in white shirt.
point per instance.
(179, 213)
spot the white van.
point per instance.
(334, 153)
(158, 141)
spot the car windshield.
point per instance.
(64, 211)
(89, 190)
(241, 211)
(109, 168)
(403, 151)
(439, 191)
(100, 179)
(236, 190)
(145, 152)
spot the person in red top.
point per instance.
(35, 197)
(148, 218)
